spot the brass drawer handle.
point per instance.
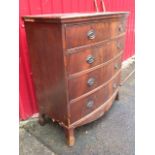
(90, 59)
(114, 85)
(90, 104)
(116, 66)
(91, 34)
(118, 44)
(91, 81)
(120, 28)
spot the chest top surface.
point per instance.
(69, 17)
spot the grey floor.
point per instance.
(112, 134)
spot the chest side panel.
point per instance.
(47, 64)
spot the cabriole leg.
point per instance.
(70, 136)
(117, 96)
(42, 119)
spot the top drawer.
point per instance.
(87, 33)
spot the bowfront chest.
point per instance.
(76, 65)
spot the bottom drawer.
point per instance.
(88, 104)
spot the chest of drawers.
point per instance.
(76, 65)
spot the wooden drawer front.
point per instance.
(86, 105)
(82, 34)
(89, 57)
(87, 82)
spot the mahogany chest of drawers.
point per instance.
(76, 65)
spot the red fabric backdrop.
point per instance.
(28, 105)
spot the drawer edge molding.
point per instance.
(76, 49)
(71, 76)
(96, 89)
(83, 120)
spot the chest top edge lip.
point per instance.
(73, 17)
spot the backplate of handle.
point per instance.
(121, 28)
(91, 34)
(90, 59)
(114, 85)
(90, 81)
(116, 66)
(119, 46)
(90, 104)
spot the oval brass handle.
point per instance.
(90, 59)
(118, 45)
(91, 34)
(120, 28)
(90, 104)
(91, 81)
(114, 85)
(116, 66)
